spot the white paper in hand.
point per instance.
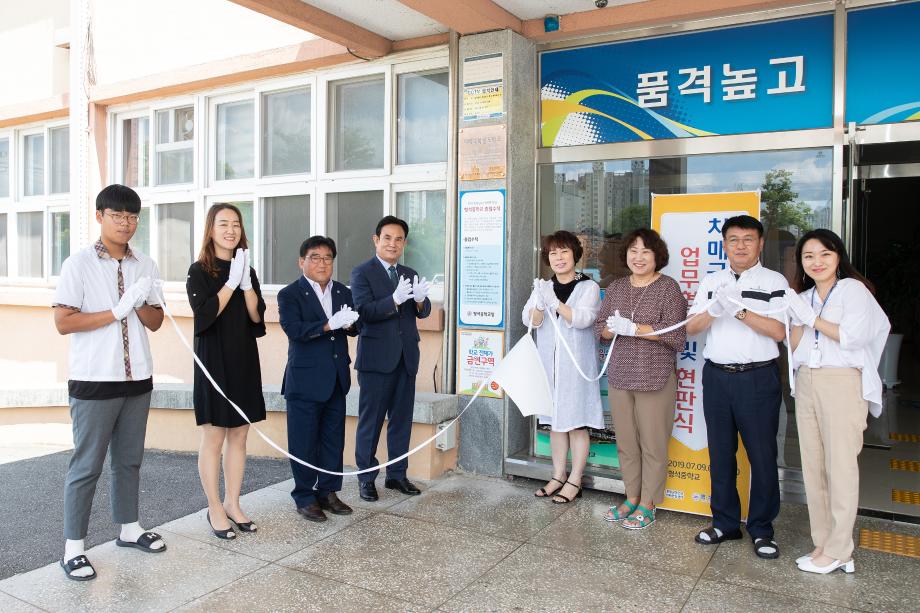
(521, 375)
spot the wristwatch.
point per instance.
(740, 315)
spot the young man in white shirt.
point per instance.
(104, 299)
(742, 392)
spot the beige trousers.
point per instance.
(831, 416)
(643, 422)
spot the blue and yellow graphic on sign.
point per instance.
(882, 52)
(757, 78)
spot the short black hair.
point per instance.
(391, 220)
(317, 241)
(745, 222)
(561, 239)
(117, 197)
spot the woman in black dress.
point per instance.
(229, 315)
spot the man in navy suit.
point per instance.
(389, 298)
(316, 315)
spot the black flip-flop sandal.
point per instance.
(76, 564)
(144, 543)
(763, 547)
(542, 493)
(714, 538)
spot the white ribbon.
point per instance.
(272, 443)
(561, 340)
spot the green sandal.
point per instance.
(613, 515)
(641, 520)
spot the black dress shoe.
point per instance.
(331, 503)
(313, 512)
(368, 492)
(403, 485)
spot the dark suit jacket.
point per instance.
(387, 332)
(317, 360)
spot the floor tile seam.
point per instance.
(436, 524)
(782, 593)
(5, 593)
(346, 583)
(630, 562)
(219, 546)
(478, 577)
(220, 587)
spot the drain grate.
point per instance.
(890, 542)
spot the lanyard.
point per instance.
(823, 304)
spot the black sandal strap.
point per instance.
(148, 538)
(77, 563)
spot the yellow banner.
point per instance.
(691, 224)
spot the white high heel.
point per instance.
(809, 567)
(804, 558)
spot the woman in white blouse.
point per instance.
(839, 334)
(572, 298)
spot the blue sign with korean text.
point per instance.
(882, 52)
(755, 78)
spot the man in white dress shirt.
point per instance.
(741, 383)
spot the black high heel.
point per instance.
(246, 526)
(566, 499)
(227, 535)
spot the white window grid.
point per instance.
(317, 184)
(18, 204)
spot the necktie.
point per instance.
(393, 278)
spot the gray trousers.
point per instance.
(118, 426)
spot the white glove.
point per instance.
(420, 288)
(344, 318)
(236, 269)
(800, 310)
(246, 279)
(621, 326)
(715, 307)
(726, 298)
(537, 296)
(403, 291)
(134, 295)
(550, 300)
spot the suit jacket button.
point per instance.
(400, 331)
(331, 338)
(335, 355)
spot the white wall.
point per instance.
(31, 67)
(136, 38)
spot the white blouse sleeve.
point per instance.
(585, 307)
(856, 327)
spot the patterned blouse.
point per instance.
(639, 364)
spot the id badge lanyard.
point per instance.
(814, 360)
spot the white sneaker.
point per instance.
(809, 567)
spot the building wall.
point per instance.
(135, 38)
(27, 34)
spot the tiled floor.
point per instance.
(466, 544)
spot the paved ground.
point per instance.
(466, 544)
(31, 502)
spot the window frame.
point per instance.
(278, 87)
(434, 169)
(213, 101)
(12, 183)
(164, 105)
(116, 159)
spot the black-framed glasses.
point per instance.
(316, 259)
(123, 219)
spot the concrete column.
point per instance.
(493, 428)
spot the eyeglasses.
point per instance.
(316, 259)
(122, 219)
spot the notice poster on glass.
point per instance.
(483, 87)
(477, 353)
(481, 259)
(691, 224)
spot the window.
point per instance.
(358, 107)
(422, 118)
(286, 132)
(350, 221)
(175, 239)
(426, 214)
(4, 167)
(234, 159)
(29, 238)
(4, 265)
(60, 241)
(141, 240)
(175, 145)
(135, 151)
(286, 224)
(33, 164)
(60, 160)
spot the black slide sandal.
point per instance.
(144, 543)
(714, 538)
(75, 564)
